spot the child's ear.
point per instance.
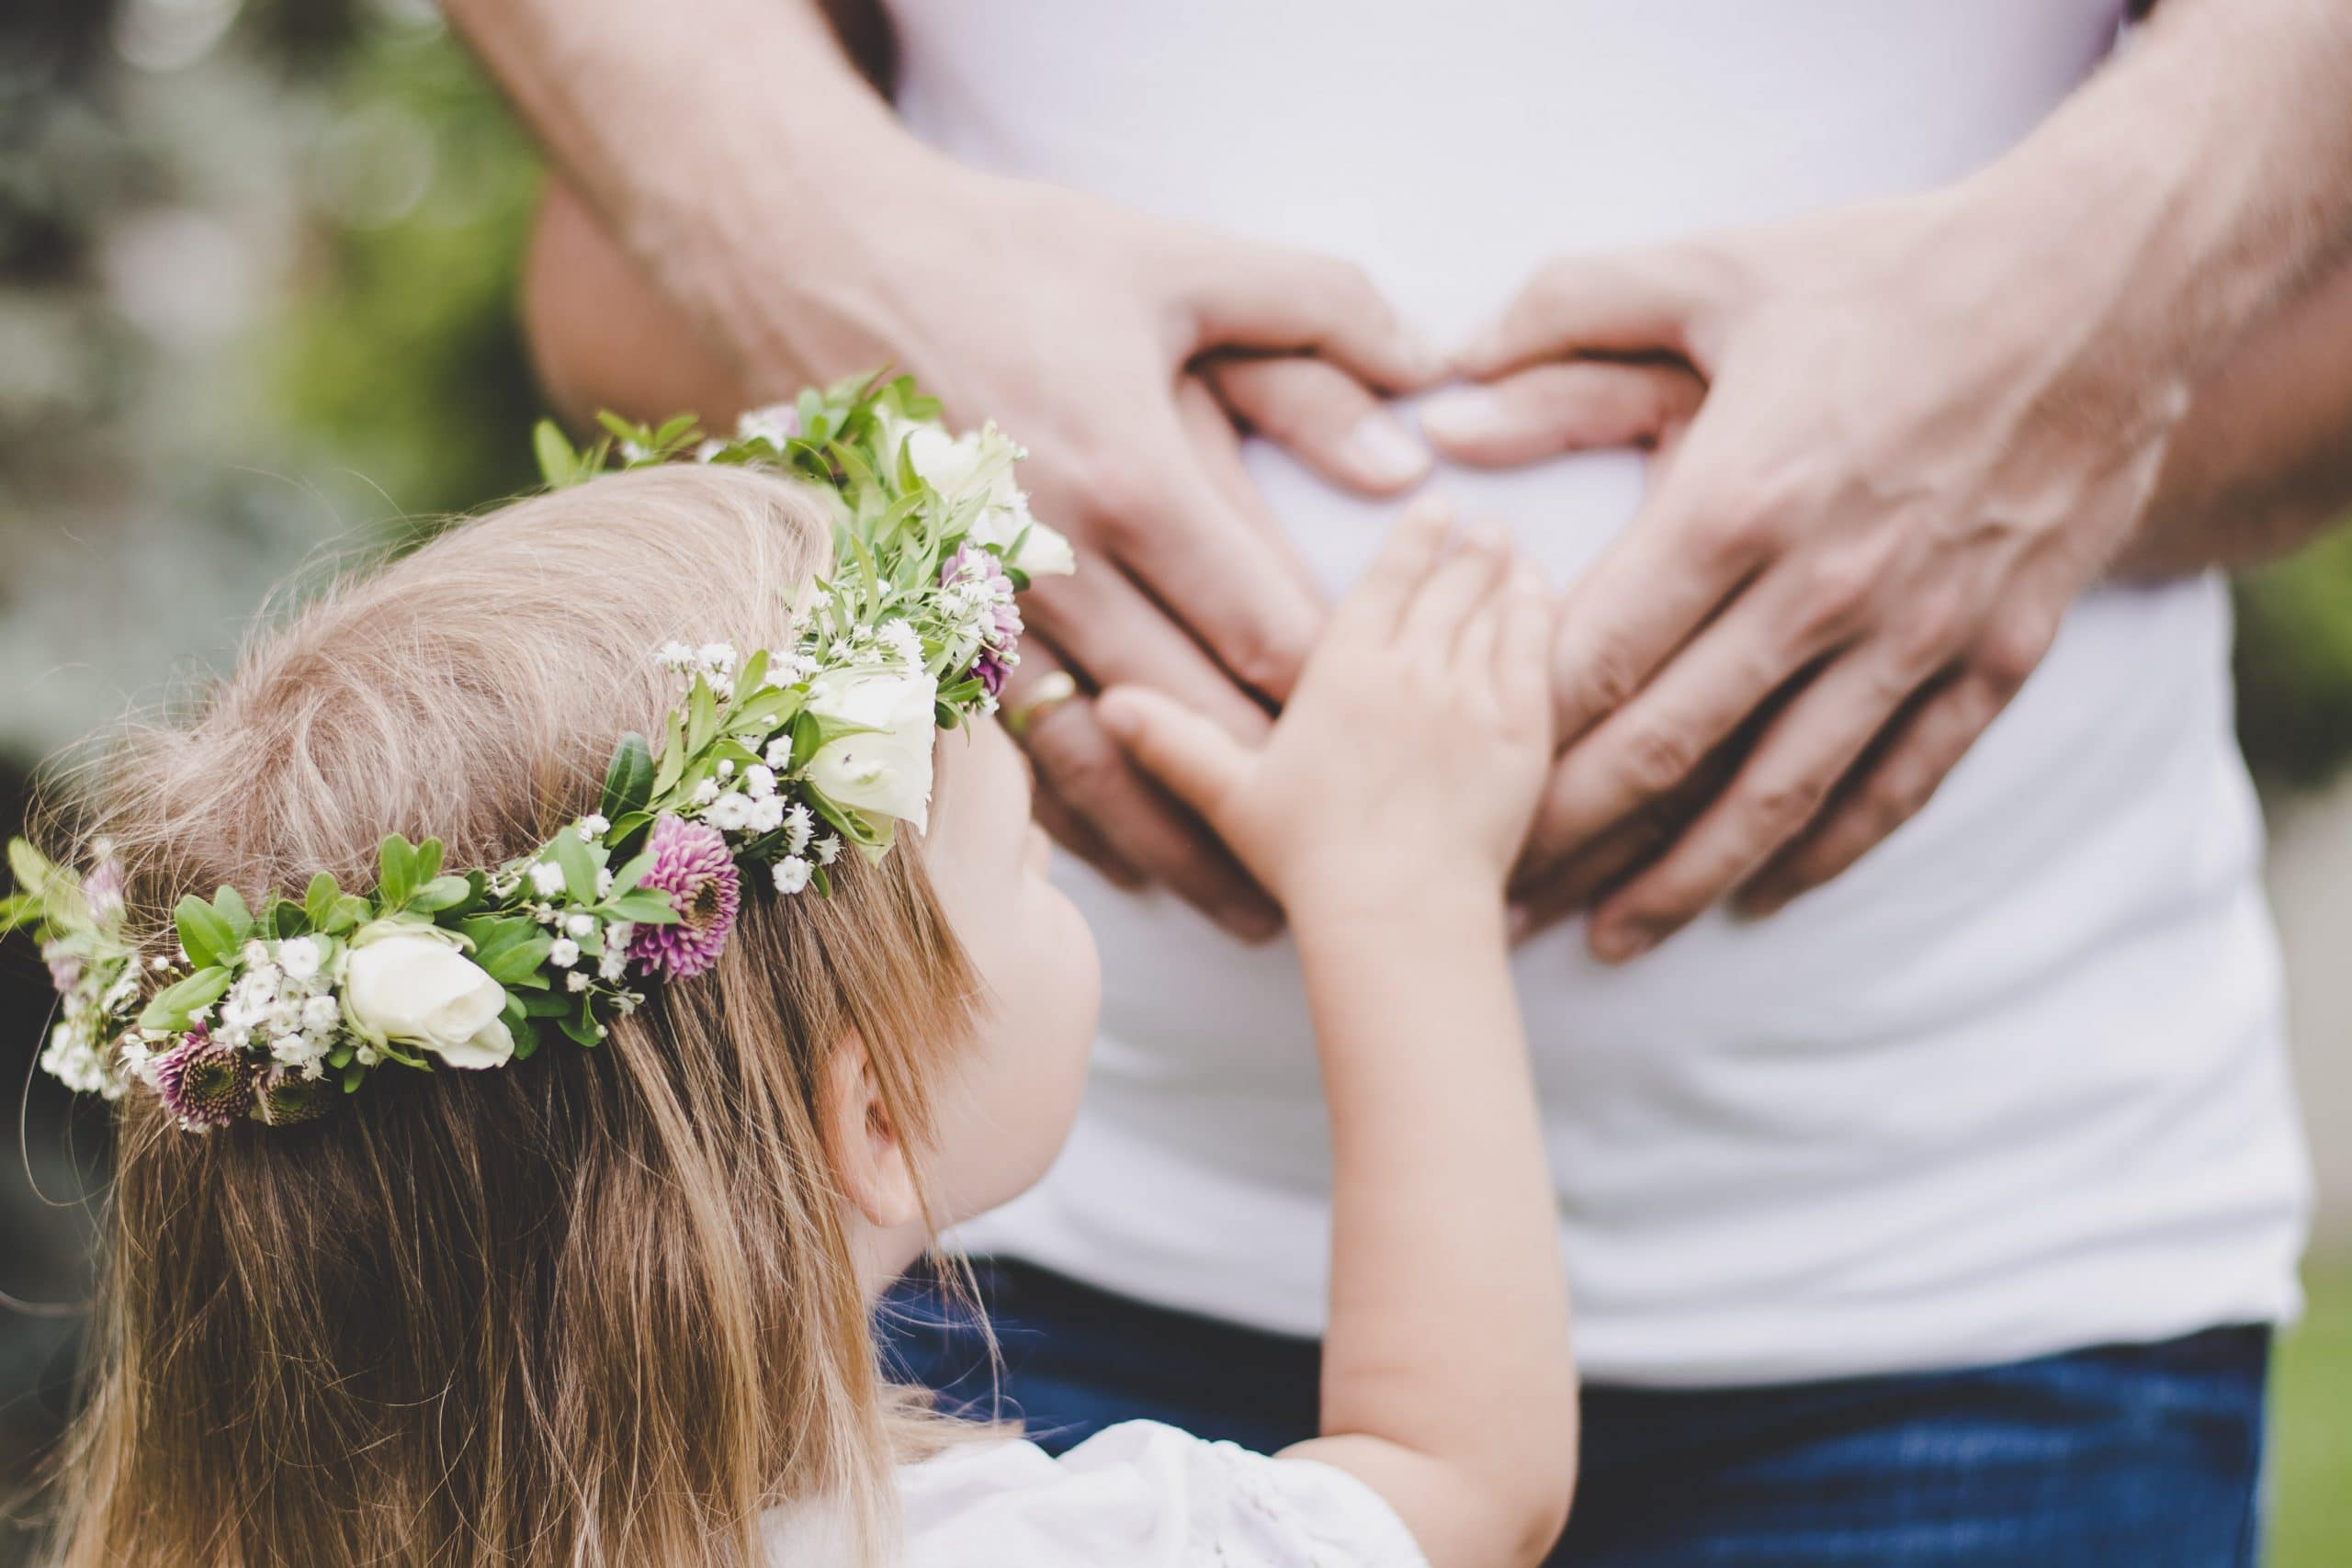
(870, 1160)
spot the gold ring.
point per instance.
(1052, 690)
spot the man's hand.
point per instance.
(1930, 422)
(1910, 459)
(817, 239)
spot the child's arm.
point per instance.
(1384, 813)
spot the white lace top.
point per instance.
(1135, 1495)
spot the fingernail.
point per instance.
(1427, 360)
(1481, 345)
(1112, 712)
(1383, 452)
(1464, 413)
(1618, 943)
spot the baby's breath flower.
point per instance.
(791, 874)
(576, 981)
(590, 826)
(579, 925)
(546, 879)
(564, 954)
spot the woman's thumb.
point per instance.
(1197, 761)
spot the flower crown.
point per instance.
(770, 760)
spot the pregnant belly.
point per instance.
(1560, 511)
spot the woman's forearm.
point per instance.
(1448, 1333)
(2263, 460)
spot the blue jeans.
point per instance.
(2144, 1456)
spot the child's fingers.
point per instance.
(1474, 653)
(1197, 761)
(1377, 602)
(1521, 676)
(1434, 619)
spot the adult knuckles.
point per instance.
(1656, 758)
(1596, 680)
(2013, 647)
(1776, 808)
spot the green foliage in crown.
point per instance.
(773, 762)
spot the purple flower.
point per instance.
(64, 968)
(286, 1097)
(692, 865)
(205, 1083)
(103, 888)
(989, 669)
(995, 657)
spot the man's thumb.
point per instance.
(1198, 762)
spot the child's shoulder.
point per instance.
(1144, 1493)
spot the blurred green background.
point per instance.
(257, 277)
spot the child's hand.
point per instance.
(1414, 749)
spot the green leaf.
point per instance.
(396, 870)
(765, 711)
(673, 752)
(628, 778)
(526, 1041)
(558, 464)
(229, 905)
(519, 962)
(754, 671)
(631, 873)
(646, 907)
(581, 1031)
(319, 900)
(491, 933)
(547, 1004)
(702, 717)
(32, 869)
(348, 911)
(284, 918)
(205, 935)
(352, 1075)
(174, 1007)
(442, 893)
(429, 861)
(579, 866)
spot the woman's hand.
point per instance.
(1413, 748)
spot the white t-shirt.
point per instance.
(2017, 1082)
(1137, 1495)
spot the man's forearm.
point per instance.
(2204, 178)
(696, 132)
(2263, 460)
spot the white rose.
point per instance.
(409, 984)
(958, 466)
(1044, 553)
(886, 774)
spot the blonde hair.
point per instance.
(598, 1306)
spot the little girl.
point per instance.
(544, 1189)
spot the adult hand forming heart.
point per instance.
(1909, 460)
